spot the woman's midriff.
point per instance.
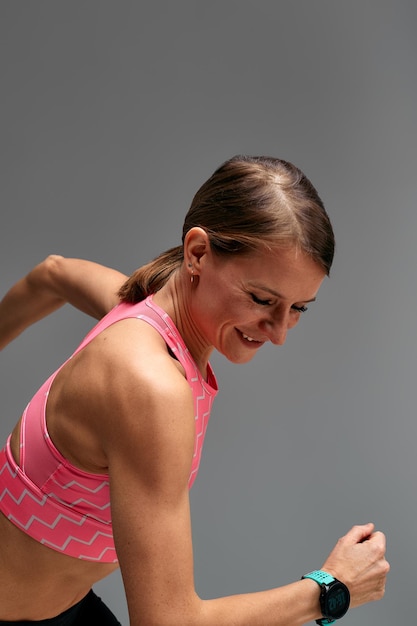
(37, 582)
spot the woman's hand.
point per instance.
(358, 560)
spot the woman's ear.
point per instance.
(196, 246)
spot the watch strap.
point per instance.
(321, 578)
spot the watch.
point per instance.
(334, 597)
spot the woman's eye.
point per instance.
(299, 309)
(259, 301)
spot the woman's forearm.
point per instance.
(294, 604)
(90, 287)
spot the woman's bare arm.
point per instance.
(88, 286)
(148, 437)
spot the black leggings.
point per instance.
(91, 611)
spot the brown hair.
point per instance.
(248, 203)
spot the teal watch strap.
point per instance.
(321, 578)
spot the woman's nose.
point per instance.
(277, 329)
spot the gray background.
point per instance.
(112, 115)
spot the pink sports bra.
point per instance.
(64, 507)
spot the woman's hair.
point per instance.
(249, 203)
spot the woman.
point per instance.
(97, 472)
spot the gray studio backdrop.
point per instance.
(112, 115)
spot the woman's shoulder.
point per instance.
(123, 384)
(128, 353)
(146, 394)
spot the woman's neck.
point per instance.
(174, 298)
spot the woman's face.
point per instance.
(240, 303)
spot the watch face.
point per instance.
(336, 600)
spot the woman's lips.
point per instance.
(250, 341)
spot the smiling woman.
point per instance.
(257, 296)
(97, 472)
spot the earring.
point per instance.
(192, 272)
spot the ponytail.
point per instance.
(151, 277)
